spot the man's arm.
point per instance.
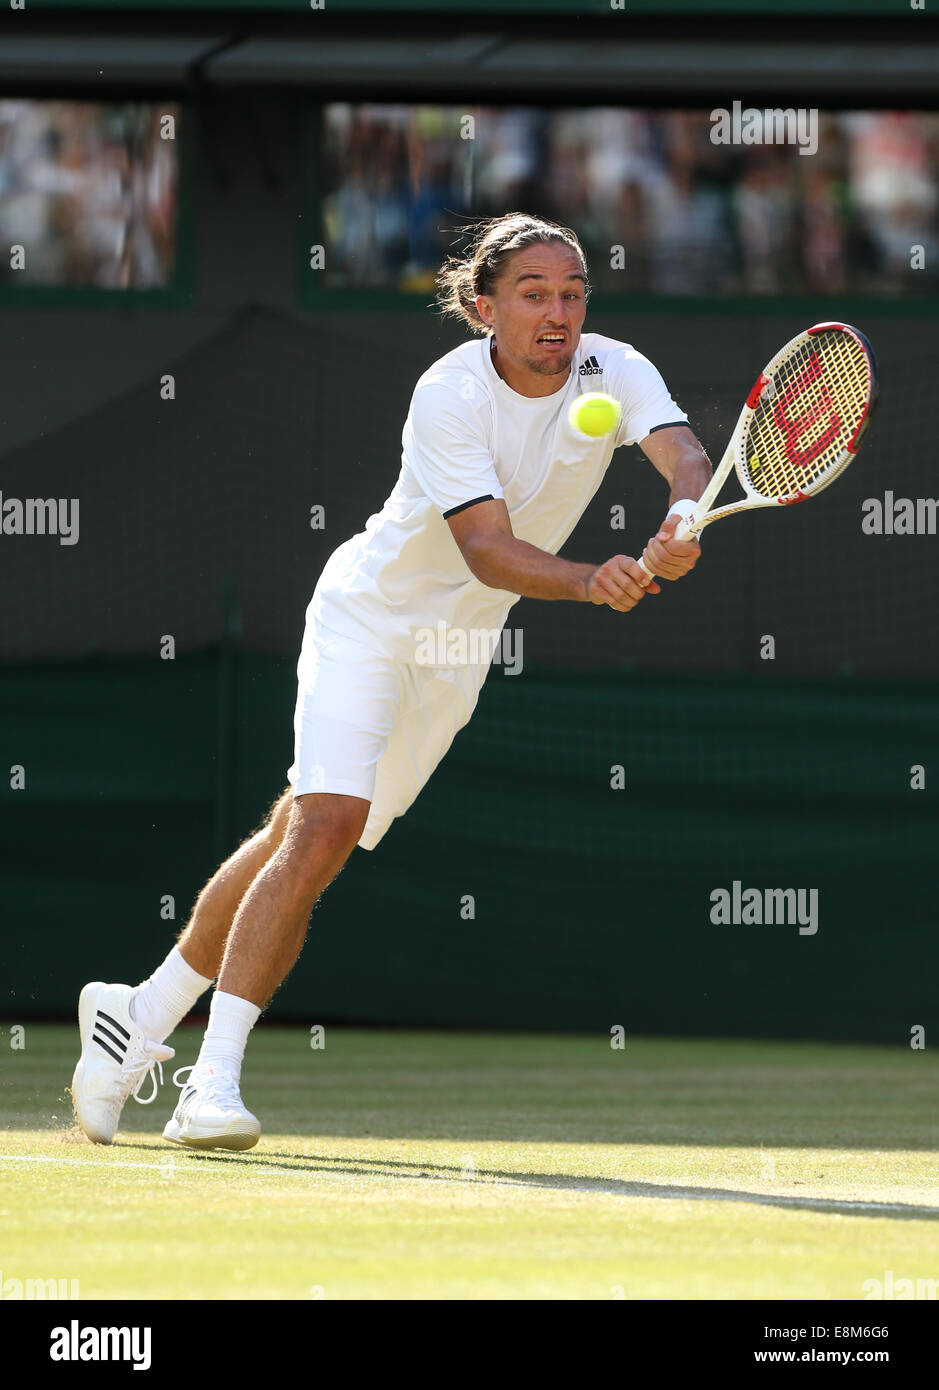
(500, 560)
(685, 466)
(680, 459)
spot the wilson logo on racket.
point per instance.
(824, 408)
(801, 426)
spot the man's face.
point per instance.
(536, 312)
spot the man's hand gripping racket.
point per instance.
(801, 426)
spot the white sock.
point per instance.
(231, 1019)
(164, 1000)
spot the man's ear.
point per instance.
(484, 309)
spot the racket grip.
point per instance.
(685, 510)
(682, 531)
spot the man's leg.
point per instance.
(123, 1029)
(202, 943)
(265, 940)
(163, 1000)
(271, 923)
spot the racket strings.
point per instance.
(799, 433)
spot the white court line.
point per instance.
(81, 1162)
(222, 1168)
(206, 1167)
(130, 1163)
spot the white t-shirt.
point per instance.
(468, 437)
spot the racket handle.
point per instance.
(685, 510)
(682, 531)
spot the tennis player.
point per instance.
(493, 481)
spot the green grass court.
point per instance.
(443, 1165)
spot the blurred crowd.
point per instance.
(691, 216)
(89, 191)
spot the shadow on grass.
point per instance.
(497, 1177)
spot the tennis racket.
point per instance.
(802, 424)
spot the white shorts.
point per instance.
(369, 726)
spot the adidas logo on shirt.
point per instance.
(110, 1036)
(591, 367)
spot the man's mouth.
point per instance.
(552, 339)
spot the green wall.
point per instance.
(592, 905)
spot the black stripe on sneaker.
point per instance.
(118, 1042)
(114, 1024)
(109, 1050)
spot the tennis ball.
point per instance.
(594, 414)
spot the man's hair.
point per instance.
(489, 244)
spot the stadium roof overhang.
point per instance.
(472, 64)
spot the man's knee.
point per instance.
(326, 826)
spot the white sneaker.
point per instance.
(115, 1060)
(211, 1113)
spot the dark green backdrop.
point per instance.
(592, 905)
